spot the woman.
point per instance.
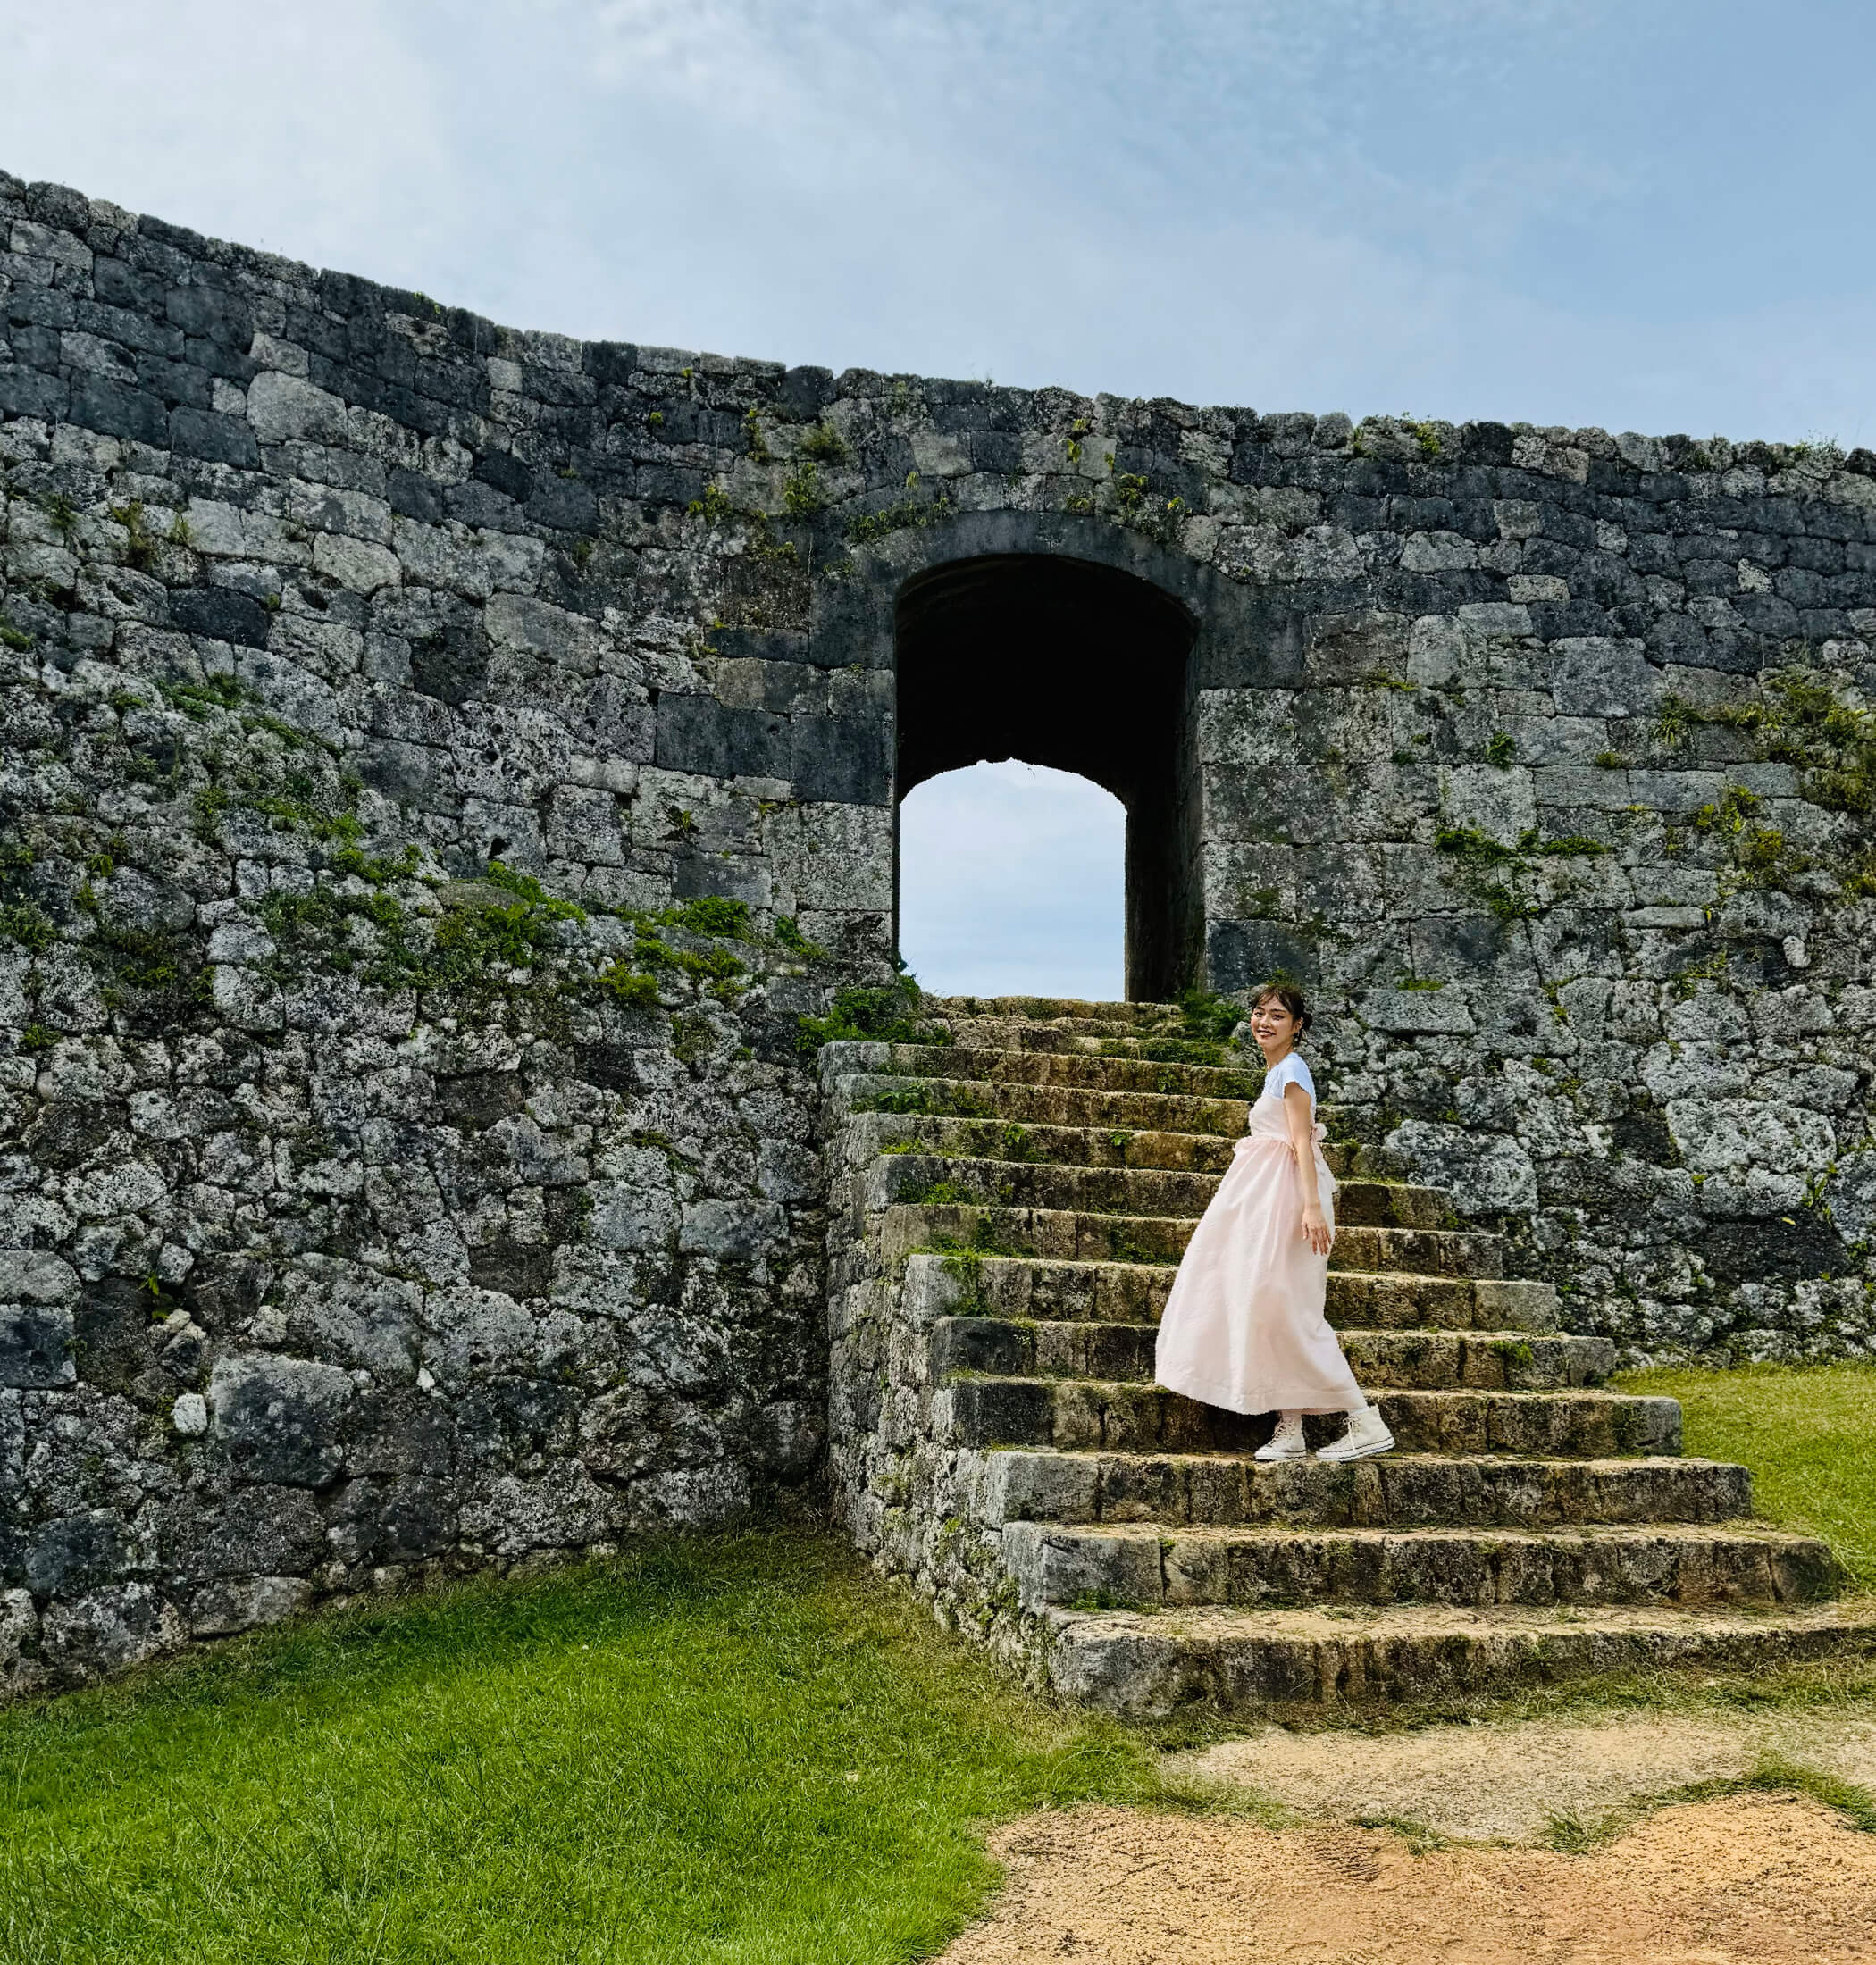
(1243, 1325)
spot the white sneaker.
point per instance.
(1287, 1442)
(1366, 1433)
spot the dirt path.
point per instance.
(1749, 1879)
(1737, 1880)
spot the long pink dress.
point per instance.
(1243, 1325)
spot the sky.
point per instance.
(1645, 215)
(977, 919)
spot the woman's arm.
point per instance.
(1297, 1116)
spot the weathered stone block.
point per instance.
(35, 1344)
(280, 1418)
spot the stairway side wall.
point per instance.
(902, 1490)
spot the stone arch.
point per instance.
(1068, 641)
(1065, 663)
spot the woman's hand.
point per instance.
(1316, 1230)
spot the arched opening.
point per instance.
(1012, 883)
(1083, 668)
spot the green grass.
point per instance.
(735, 1750)
(1807, 1432)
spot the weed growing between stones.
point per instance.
(1206, 1023)
(1498, 876)
(822, 443)
(1134, 505)
(883, 1014)
(1802, 721)
(802, 495)
(23, 918)
(1799, 719)
(935, 1193)
(909, 513)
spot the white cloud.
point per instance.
(1013, 884)
(1462, 208)
(315, 131)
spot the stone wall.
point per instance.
(370, 1211)
(366, 1216)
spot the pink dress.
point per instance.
(1243, 1325)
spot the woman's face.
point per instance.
(1273, 1026)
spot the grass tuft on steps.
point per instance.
(725, 1750)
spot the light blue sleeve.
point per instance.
(1292, 1071)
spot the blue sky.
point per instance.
(1647, 214)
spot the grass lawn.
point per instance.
(720, 1750)
(1807, 1432)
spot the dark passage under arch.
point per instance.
(1061, 662)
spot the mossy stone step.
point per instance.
(906, 1228)
(1145, 1665)
(1045, 1010)
(1045, 1068)
(1166, 1045)
(1021, 1175)
(998, 1138)
(1418, 1360)
(1391, 1491)
(1141, 1567)
(916, 1175)
(1140, 1113)
(1134, 1293)
(1084, 1414)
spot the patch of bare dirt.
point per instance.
(1506, 1781)
(1737, 1881)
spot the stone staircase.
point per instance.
(1008, 1211)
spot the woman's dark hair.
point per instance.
(1290, 997)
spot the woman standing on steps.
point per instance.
(1244, 1326)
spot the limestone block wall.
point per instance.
(362, 1217)
(443, 765)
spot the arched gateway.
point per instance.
(1065, 663)
(1049, 637)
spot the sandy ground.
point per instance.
(1507, 1781)
(1732, 1882)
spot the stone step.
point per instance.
(1052, 1009)
(1407, 1360)
(1134, 1293)
(1146, 1665)
(1136, 1128)
(1015, 1182)
(1389, 1491)
(1086, 1414)
(906, 1228)
(1043, 1067)
(995, 1137)
(1168, 1046)
(1142, 1114)
(1139, 1567)
(1094, 1149)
